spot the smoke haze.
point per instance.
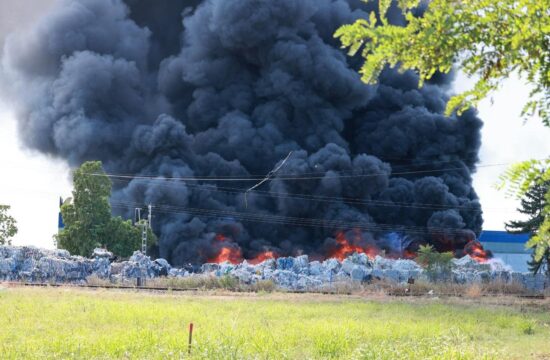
(225, 90)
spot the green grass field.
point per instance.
(69, 323)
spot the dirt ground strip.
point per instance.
(518, 302)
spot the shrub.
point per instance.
(438, 265)
(263, 286)
(474, 291)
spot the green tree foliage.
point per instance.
(533, 203)
(438, 265)
(489, 39)
(8, 225)
(87, 218)
(122, 238)
(530, 182)
(89, 212)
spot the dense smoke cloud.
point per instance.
(226, 89)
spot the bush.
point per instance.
(229, 283)
(207, 282)
(263, 286)
(438, 265)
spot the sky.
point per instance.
(32, 183)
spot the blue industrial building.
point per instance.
(508, 247)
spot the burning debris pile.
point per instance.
(294, 273)
(391, 246)
(298, 273)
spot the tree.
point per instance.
(489, 39)
(438, 265)
(533, 204)
(122, 238)
(532, 179)
(8, 225)
(89, 212)
(87, 218)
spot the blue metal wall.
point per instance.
(508, 247)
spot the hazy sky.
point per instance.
(32, 183)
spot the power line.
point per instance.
(330, 199)
(314, 198)
(297, 177)
(295, 220)
(317, 224)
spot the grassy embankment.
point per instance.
(69, 323)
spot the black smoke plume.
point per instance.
(225, 90)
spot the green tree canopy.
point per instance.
(88, 221)
(488, 39)
(533, 204)
(521, 181)
(8, 225)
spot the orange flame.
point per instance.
(232, 255)
(344, 248)
(220, 238)
(260, 258)
(407, 254)
(228, 251)
(476, 251)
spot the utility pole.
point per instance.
(144, 238)
(137, 216)
(144, 225)
(150, 216)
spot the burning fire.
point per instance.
(228, 251)
(220, 238)
(476, 251)
(407, 254)
(233, 255)
(231, 252)
(344, 248)
(263, 257)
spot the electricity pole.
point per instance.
(144, 238)
(150, 216)
(144, 225)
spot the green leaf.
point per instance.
(490, 40)
(383, 6)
